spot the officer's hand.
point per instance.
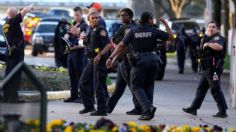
(66, 36)
(205, 45)
(97, 59)
(162, 20)
(109, 63)
(74, 30)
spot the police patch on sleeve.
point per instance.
(127, 30)
(217, 38)
(103, 33)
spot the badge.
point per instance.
(217, 38)
(103, 33)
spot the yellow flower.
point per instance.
(176, 129)
(101, 130)
(185, 128)
(48, 128)
(58, 122)
(208, 129)
(196, 129)
(133, 129)
(132, 124)
(36, 122)
(68, 129)
(145, 128)
(114, 129)
(33, 122)
(230, 130)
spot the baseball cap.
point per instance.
(96, 6)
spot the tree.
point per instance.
(216, 14)
(173, 7)
(178, 5)
(140, 6)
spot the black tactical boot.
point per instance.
(98, 113)
(148, 115)
(190, 110)
(86, 110)
(220, 115)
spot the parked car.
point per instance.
(61, 12)
(3, 45)
(43, 37)
(175, 25)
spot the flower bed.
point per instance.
(51, 77)
(106, 125)
(55, 79)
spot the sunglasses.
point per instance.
(123, 15)
(94, 18)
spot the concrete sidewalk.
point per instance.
(170, 96)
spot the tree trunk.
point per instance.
(234, 24)
(226, 22)
(216, 14)
(166, 7)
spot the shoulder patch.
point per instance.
(127, 30)
(217, 38)
(103, 33)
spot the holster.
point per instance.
(89, 53)
(132, 59)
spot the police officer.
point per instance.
(95, 6)
(97, 46)
(181, 46)
(15, 51)
(143, 60)
(76, 55)
(193, 47)
(123, 70)
(60, 44)
(211, 49)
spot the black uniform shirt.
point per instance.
(82, 26)
(122, 31)
(144, 38)
(13, 32)
(97, 38)
(209, 52)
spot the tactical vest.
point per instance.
(211, 58)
